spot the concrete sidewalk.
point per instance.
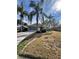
(22, 35)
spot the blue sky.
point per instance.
(52, 7)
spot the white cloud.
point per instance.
(57, 5)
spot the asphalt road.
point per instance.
(22, 35)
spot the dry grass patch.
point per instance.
(46, 46)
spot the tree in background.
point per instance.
(22, 13)
(38, 9)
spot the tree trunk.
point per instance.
(43, 19)
(21, 22)
(37, 20)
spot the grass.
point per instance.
(21, 46)
(23, 43)
(46, 46)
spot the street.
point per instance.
(22, 35)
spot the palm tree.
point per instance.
(41, 10)
(38, 9)
(20, 9)
(30, 16)
(53, 22)
(22, 13)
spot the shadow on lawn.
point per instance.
(30, 56)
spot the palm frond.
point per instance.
(25, 13)
(19, 9)
(32, 4)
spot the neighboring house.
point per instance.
(33, 26)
